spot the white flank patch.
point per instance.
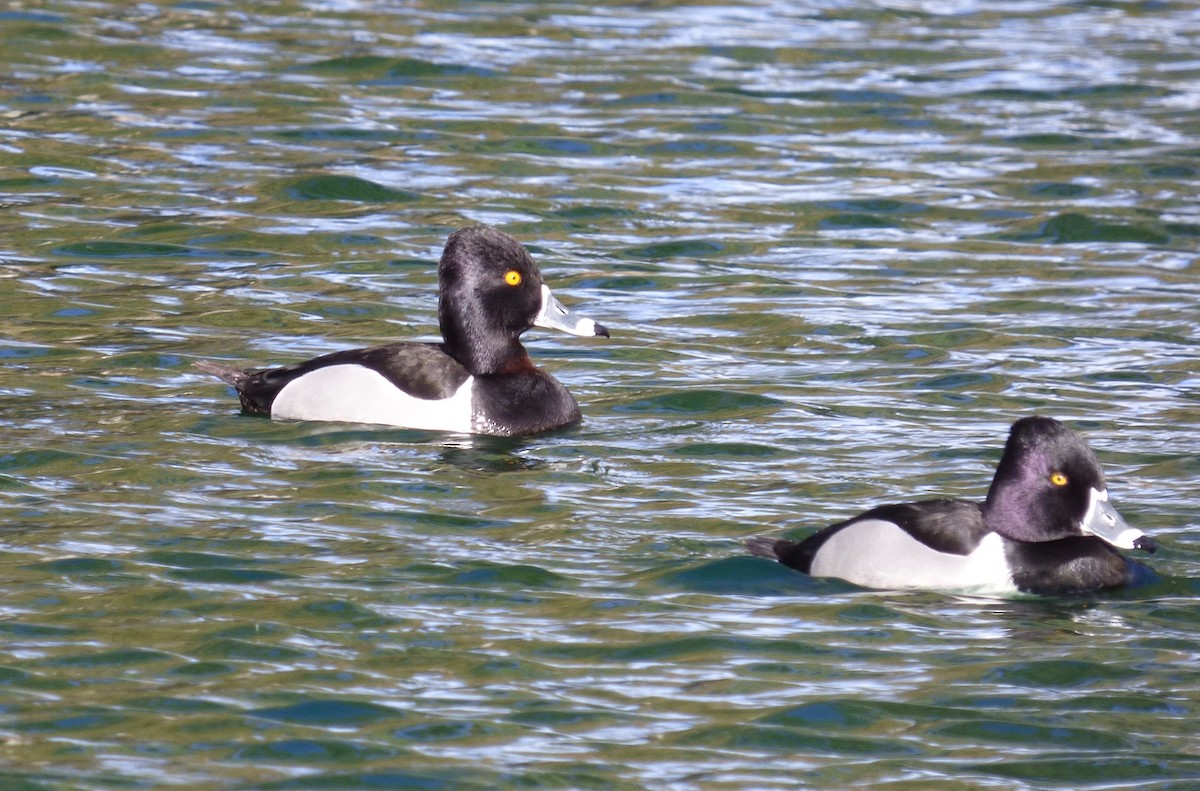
(875, 553)
(354, 394)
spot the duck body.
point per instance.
(479, 380)
(1046, 528)
(947, 545)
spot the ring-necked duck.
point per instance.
(479, 380)
(1046, 527)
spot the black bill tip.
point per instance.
(1145, 543)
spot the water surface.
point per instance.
(841, 247)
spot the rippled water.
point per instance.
(841, 246)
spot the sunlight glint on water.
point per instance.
(841, 247)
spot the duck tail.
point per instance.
(764, 547)
(226, 373)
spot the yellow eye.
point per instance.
(1058, 479)
(512, 277)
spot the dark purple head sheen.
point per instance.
(490, 293)
(1045, 482)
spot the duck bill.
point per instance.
(556, 317)
(1103, 522)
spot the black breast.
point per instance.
(522, 403)
(1078, 564)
